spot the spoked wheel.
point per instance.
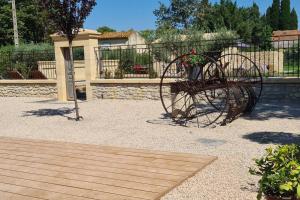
(243, 72)
(198, 90)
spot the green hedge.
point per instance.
(128, 58)
(26, 57)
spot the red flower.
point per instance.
(193, 51)
(137, 68)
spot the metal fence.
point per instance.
(27, 65)
(274, 58)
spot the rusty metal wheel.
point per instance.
(198, 90)
(241, 71)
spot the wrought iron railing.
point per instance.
(274, 58)
(27, 65)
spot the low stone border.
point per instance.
(281, 90)
(28, 88)
(137, 89)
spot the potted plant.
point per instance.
(279, 170)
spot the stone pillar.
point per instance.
(88, 39)
(90, 65)
(60, 73)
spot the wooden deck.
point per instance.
(34, 170)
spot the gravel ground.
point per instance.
(139, 124)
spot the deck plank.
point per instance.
(119, 150)
(39, 169)
(39, 153)
(161, 163)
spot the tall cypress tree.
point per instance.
(294, 20)
(285, 15)
(268, 15)
(273, 14)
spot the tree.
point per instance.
(104, 29)
(148, 35)
(180, 14)
(285, 15)
(69, 16)
(294, 20)
(6, 24)
(261, 36)
(205, 17)
(32, 22)
(273, 15)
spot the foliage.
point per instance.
(294, 20)
(23, 61)
(26, 57)
(177, 15)
(78, 53)
(280, 17)
(33, 25)
(291, 55)
(152, 73)
(206, 17)
(110, 54)
(149, 35)
(27, 48)
(173, 43)
(273, 15)
(129, 58)
(285, 15)
(279, 170)
(119, 74)
(104, 29)
(261, 37)
(107, 74)
(72, 14)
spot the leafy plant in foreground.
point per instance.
(279, 170)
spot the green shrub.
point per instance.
(129, 58)
(119, 74)
(24, 58)
(107, 74)
(175, 43)
(279, 170)
(152, 73)
(28, 48)
(78, 53)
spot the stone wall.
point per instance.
(28, 88)
(127, 89)
(274, 89)
(281, 90)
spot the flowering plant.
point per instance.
(139, 69)
(192, 59)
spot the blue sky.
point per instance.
(138, 14)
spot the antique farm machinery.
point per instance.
(210, 89)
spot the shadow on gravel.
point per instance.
(281, 138)
(268, 110)
(165, 120)
(49, 112)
